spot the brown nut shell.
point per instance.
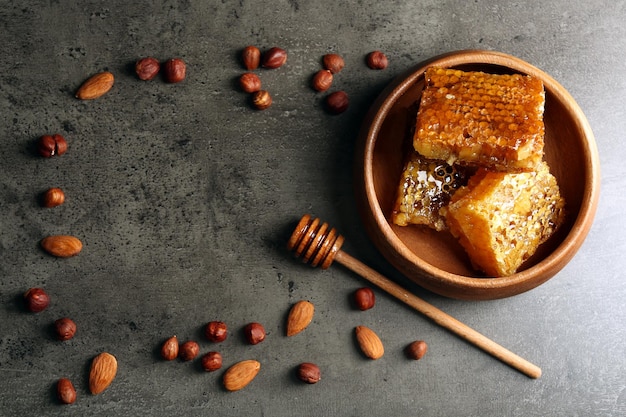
(322, 80)
(416, 350)
(333, 63)
(53, 197)
(274, 58)
(66, 393)
(251, 57)
(169, 349)
(174, 70)
(147, 68)
(65, 328)
(189, 350)
(36, 299)
(308, 372)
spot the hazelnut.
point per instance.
(53, 197)
(364, 298)
(254, 332)
(216, 331)
(50, 145)
(66, 393)
(337, 102)
(274, 58)
(261, 100)
(211, 361)
(251, 57)
(250, 82)
(147, 68)
(169, 349)
(376, 60)
(309, 373)
(174, 70)
(333, 62)
(65, 328)
(416, 350)
(322, 80)
(36, 299)
(189, 350)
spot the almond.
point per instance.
(241, 374)
(62, 246)
(369, 342)
(102, 373)
(299, 317)
(96, 86)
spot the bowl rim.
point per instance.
(562, 254)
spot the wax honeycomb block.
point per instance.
(488, 120)
(425, 186)
(502, 218)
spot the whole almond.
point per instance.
(241, 374)
(62, 246)
(102, 372)
(369, 342)
(96, 86)
(299, 317)
(66, 392)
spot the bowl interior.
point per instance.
(569, 151)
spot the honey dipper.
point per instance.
(319, 245)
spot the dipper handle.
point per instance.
(318, 245)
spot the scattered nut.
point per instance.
(337, 102)
(50, 145)
(369, 342)
(377, 60)
(96, 86)
(333, 63)
(147, 68)
(274, 58)
(211, 361)
(251, 57)
(102, 372)
(216, 331)
(241, 374)
(416, 350)
(65, 328)
(62, 246)
(37, 300)
(261, 100)
(250, 82)
(66, 393)
(322, 80)
(174, 70)
(189, 350)
(169, 349)
(53, 197)
(254, 332)
(364, 298)
(309, 373)
(300, 316)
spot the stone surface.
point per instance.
(184, 197)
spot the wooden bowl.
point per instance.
(435, 260)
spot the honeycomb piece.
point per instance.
(488, 120)
(425, 186)
(502, 218)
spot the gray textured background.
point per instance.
(184, 197)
